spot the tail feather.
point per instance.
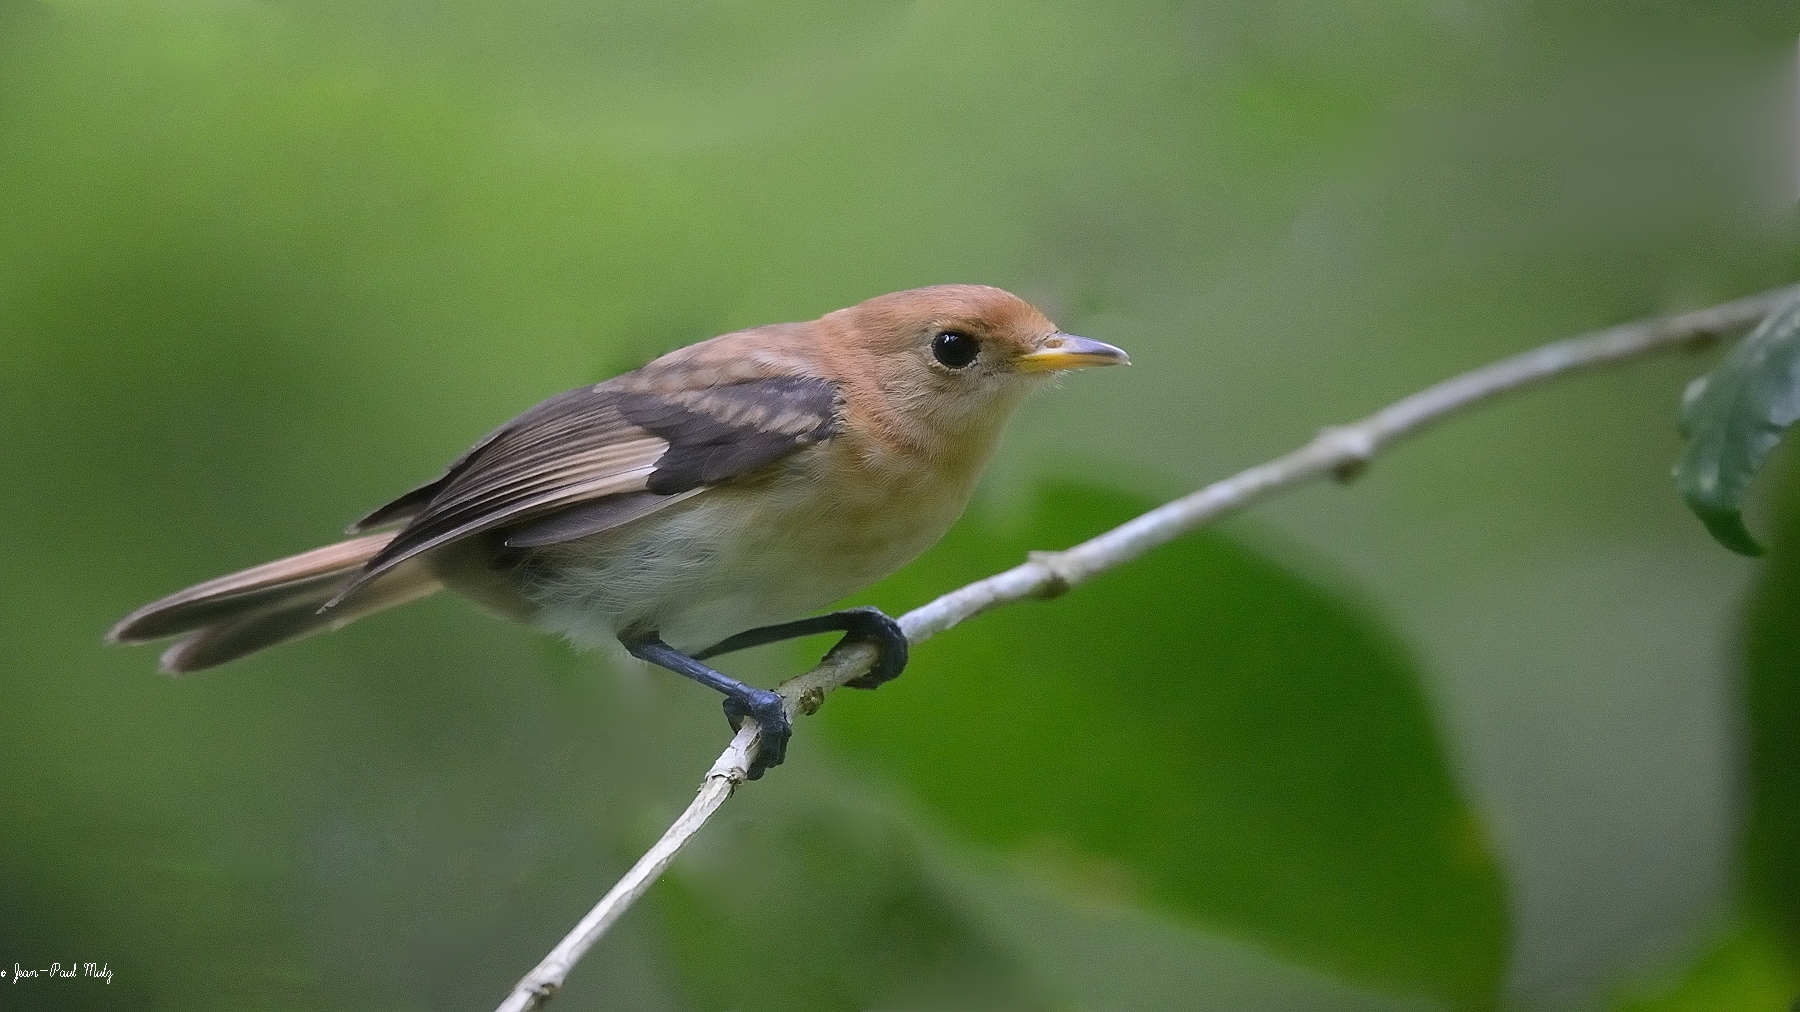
(279, 601)
(294, 617)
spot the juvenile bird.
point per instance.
(693, 507)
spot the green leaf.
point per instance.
(1772, 667)
(1751, 969)
(1732, 418)
(1203, 731)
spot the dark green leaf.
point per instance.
(1772, 662)
(1203, 730)
(1732, 418)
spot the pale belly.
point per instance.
(733, 559)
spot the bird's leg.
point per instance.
(740, 700)
(859, 625)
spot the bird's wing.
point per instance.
(597, 457)
(410, 505)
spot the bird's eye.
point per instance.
(954, 349)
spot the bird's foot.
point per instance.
(859, 625)
(769, 711)
(741, 700)
(872, 626)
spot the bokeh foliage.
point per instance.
(1209, 732)
(1467, 734)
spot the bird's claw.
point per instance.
(769, 711)
(872, 626)
(860, 625)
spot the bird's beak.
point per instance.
(1066, 351)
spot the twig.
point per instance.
(543, 981)
(1341, 452)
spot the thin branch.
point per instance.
(543, 981)
(1340, 452)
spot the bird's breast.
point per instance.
(815, 528)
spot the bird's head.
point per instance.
(956, 358)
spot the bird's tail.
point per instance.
(224, 619)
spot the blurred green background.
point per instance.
(1499, 726)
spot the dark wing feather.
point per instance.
(610, 453)
(721, 432)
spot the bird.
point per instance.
(704, 503)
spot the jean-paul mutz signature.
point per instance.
(101, 971)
